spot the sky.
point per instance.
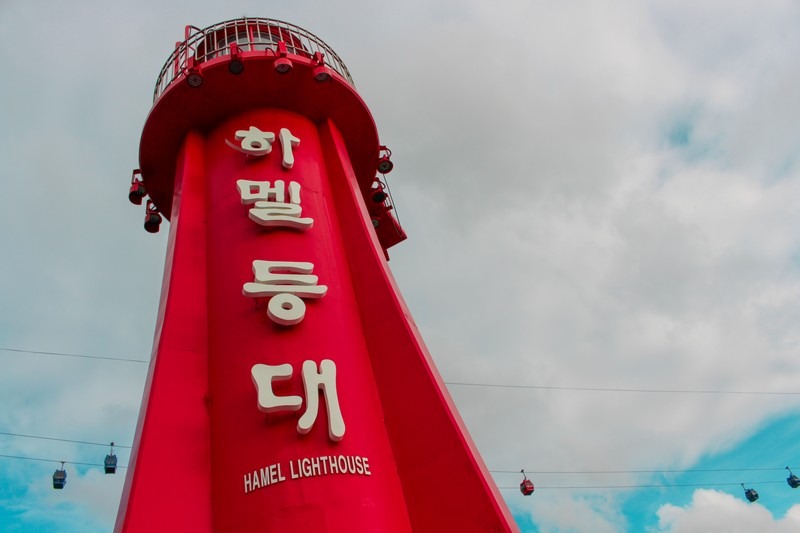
(601, 198)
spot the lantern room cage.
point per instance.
(245, 63)
(252, 36)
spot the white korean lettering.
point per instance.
(252, 192)
(254, 141)
(286, 309)
(288, 141)
(270, 208)
(263, 377)
(286, 282)
(313, 382)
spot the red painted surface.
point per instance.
(200, 432)
(241, 335)
(168, 468)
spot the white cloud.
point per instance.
(564, 514)
(711, 511)
(561, 230)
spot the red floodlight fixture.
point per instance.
(235, 65)
(137, 191)
(193, 77)
(152, 218)
(283, 65)
(321, 72)
(385, 164)
(378, 193)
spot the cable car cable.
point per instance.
(83, 356)
(487, 385)
(603, 389)
(470, 384)
(686, 471)
(652, 486)
(546, 487)
(60, 440)
(2, 455)
(540, 487)
(498, 471)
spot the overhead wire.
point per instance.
(83, 356)
(640, 485)
(677, 471)
(647, 486)
(475, 384)
(485, 385)
(497, 471)
(616, 389)
(501, 487)
(5, 456)
(10, 434)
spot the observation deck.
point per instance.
(248, 63)
(252, 36)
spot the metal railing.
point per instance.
(250, 35)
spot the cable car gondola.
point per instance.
(526, 487)
(60, 477)
(792, 480)
(750, 494)
(110, 463)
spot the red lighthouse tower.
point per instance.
(289, 389)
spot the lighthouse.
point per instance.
(289, 389)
